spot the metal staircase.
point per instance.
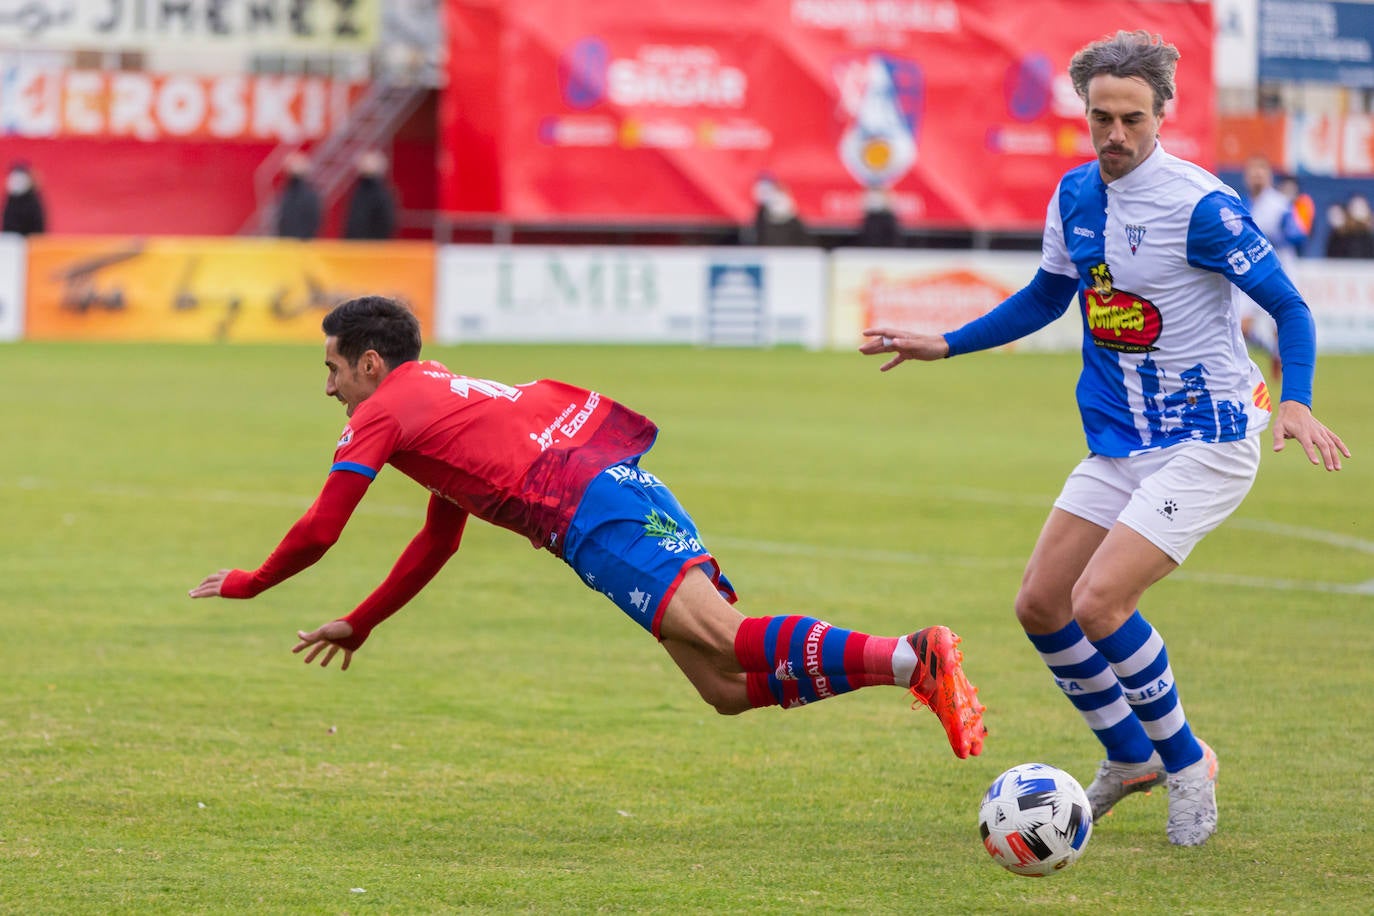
(370, 125)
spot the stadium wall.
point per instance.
(261, 290)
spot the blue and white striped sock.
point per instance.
(1137, 655)
(1092, 687)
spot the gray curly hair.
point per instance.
(1135, 54)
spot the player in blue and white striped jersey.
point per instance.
(1149, 247)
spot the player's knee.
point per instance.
(726, 695)
(1097, 608)
(1037, 611)
(731, 706)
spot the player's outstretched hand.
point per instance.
(209, 587)
(1295, 421)
(323, 639)
(904, 345)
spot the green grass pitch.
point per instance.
(511, 743)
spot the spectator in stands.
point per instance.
(1355, 236)
(775, 221)
(372, 208)
(1304, 208)
(879, 228)
(24, 213)
(1335, 231)
(1277, 217)
(298, 210)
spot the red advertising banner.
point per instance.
(153, 107)
(648, 110)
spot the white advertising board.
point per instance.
(937, 291)
(593, 294)
(1341, 294)
(12, 267)
(933, 292)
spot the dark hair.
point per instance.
(374, 323)
(1136, 54)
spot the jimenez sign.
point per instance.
(624, 111)
(247, 25)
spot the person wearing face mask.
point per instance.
(24, 213)
(299, 210)
(1358, 231)
(372, 207)
(775, 219)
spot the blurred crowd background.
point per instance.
(905, 123)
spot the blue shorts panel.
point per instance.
(632, 541)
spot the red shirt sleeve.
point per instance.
(308, 539)
(422, 559)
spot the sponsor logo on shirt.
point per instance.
(345, 437)
(569, 422)
(1086, 233)
(1117, 319)
(625, 473)
(1231, 220)
(1134, 236)
(1259, 251)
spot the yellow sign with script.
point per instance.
(212, 289)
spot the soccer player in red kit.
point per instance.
(560, 465)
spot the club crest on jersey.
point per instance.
(345, 437)
(1134, 236)
(1117, 319)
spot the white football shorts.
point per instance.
(1172, 496)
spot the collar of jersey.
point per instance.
(1143, 174)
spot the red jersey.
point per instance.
(518, 456)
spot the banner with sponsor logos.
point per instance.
(933, 292)
(201, 289)
(643, 111)
(588, 294)
(242, 25)
(11, 286)
(1327, 143)
(1317, 42)
(68, 104)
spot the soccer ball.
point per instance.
(1035, 820)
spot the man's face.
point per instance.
(1122, 121)
(1257, 176)
(350, 384)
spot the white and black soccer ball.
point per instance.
(1035, 820)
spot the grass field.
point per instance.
(511, 743)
